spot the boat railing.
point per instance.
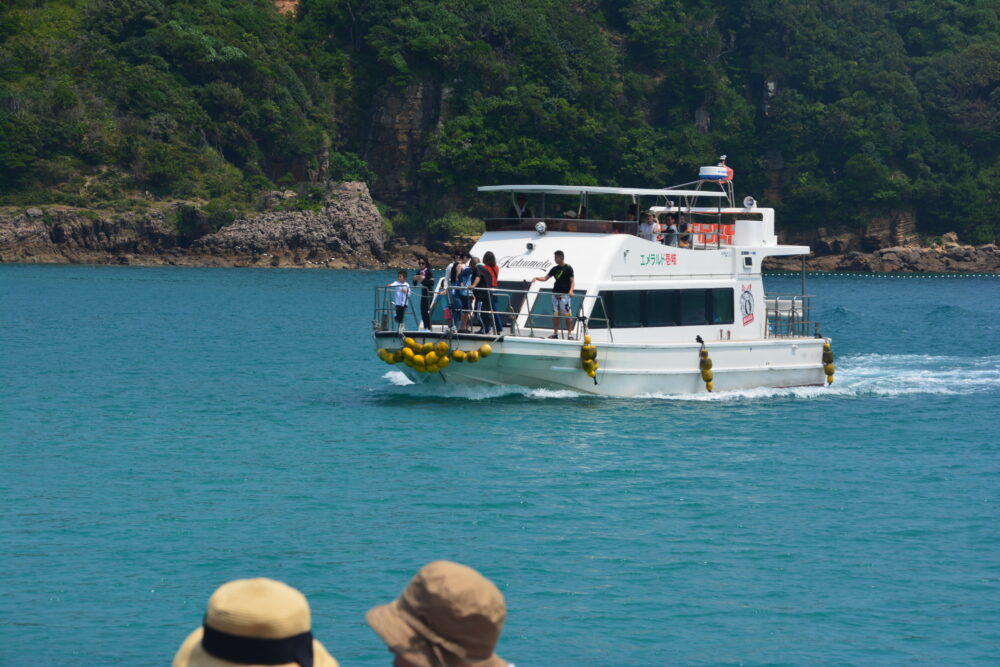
(699, 236)
(520, 312)
(563, 225)
(790, 316)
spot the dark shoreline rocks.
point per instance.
(950, 258)
(347, 233)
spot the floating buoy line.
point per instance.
(431, 357)
(884, 274)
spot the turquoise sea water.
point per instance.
(165, 430)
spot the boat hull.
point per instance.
(635, 370)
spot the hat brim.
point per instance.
(191, 654)
(388, 623)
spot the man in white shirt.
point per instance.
(400, 297)
(648, 227)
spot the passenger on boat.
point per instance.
(452, 274)
(465, 279)
(521, 210)
(624, 228)
(490, 264)
(562, 294)
(648, 227)
(482, 280)
(670, 230)
(400, 297)
(424, 278)
(253, 622)
(449, 615)
(684, 235)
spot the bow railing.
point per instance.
(494, 310)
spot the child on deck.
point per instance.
(400, 297)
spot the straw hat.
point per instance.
(254, 622)
(449, 615)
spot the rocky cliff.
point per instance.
(398, 126)
(347, 232)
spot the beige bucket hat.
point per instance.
(449, 615)
(254, 622)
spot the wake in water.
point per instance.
(858, 375)
(479, 392)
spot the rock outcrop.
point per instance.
(59, 234)
(888, 245)
(950, 258)
(346, 233)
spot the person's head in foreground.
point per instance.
(254, 622)
(449, 615)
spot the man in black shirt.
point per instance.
(562, 294)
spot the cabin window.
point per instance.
(598, 317)
(722, 306)
(626, 309)
(663, 308)
(541, 309)
(694, 307)
(505, 301)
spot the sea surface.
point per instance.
(164, 430)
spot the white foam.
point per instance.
(862, 375)
(485, 392)
(398, 378)
(751, 394)
(480, 392)
(882, 375)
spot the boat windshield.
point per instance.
(663, 215)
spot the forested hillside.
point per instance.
(836, 111)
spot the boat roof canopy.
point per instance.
(597, 190)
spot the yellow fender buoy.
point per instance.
(588, 358)
(705, 364)
(828, 368)
(485, 350)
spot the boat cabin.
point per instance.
(634, 284)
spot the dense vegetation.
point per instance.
(838, 111)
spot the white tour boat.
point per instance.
(664, 314)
